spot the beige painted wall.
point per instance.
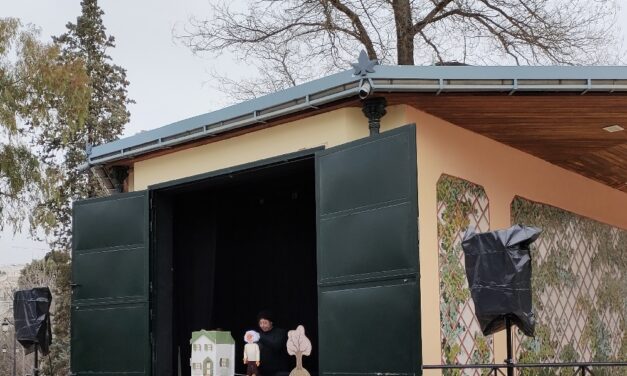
(442, 148)
(446, 148)
(328, 129)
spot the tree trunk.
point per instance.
(404, 33)
(299, 370)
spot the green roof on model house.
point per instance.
(219, 338)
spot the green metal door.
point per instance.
(368, 291)
(110, 312)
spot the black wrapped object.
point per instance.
(498, 267)
(32, 319)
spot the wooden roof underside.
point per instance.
(565, 130)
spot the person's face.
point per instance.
(265, 325)
(249, 338)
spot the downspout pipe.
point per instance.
(374, 109)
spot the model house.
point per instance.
(213, 353)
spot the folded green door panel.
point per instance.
(110, 311)
(369, 299)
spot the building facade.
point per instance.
(490, 147)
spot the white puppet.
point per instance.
(252, 356)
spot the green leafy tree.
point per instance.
(86, 40)
(38, 91)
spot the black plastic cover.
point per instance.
(32, 319)
(498, 267)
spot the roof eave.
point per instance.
(386, 79)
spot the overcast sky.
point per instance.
(167, 81)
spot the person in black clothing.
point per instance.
(272, 344)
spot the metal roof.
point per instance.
(385, 79)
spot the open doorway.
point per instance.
(227, 247)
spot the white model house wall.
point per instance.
(202, 349)
(225, 360)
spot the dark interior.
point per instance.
(230, 246)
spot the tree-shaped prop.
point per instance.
(298, 344)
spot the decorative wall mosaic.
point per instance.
(579, 286)
(460, 204)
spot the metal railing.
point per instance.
(581, 368)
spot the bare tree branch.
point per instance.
(430, 16)
(435, 48)
(288, 41)
(363, 36)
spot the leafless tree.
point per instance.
(290, 41)
(38, 273)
